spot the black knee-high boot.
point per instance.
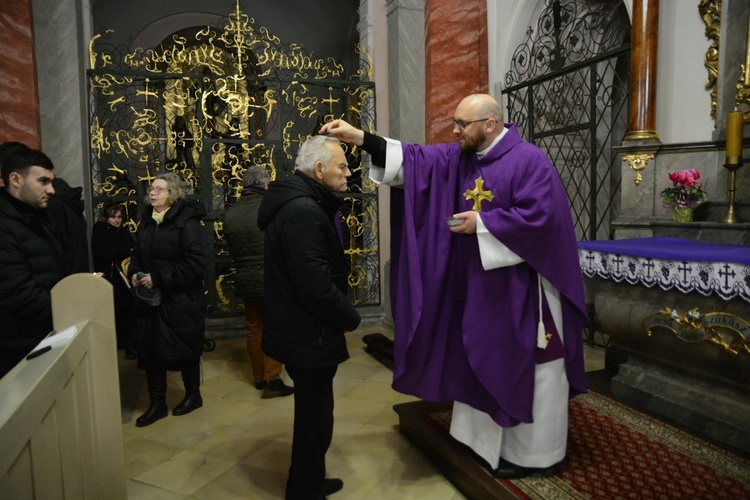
(191, 377)
(156, 377)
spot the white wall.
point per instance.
(683, 105)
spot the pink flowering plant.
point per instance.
(686, 190)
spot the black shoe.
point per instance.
(155, 412)
(507, 470)
(190, 403)
(260, 385)
(331, 486)
(131, 354)
(276, 388)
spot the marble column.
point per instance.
(406, 70)
(19, 119)
(642, 116)
(455, 60)
(61, 76)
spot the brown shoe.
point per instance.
(276, 388)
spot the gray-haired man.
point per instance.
(307, 309)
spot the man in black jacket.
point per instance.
(245, 242)
(66, 211)
(31, 260)
(306, 307)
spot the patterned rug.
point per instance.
(617, 452)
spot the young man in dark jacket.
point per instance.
(306, 306)
(31, 260)
(245, 242)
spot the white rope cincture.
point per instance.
(541, 334)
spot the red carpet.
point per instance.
(617, 452)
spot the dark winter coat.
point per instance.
(245, 242)
(174, 253)
(111, 245)
(66, 211)
(31, 263)
(306, 308)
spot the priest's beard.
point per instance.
(471, 143)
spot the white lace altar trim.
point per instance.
(725, 279)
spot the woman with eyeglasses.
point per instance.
(111, 243)
(167, 269)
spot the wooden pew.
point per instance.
(60, 417)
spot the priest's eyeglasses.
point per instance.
(461, 124)
(156, 189)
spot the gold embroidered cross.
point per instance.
(548, 337)
(478, 194)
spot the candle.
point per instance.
(734, 137)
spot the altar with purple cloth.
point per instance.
(677, 316)
(671, 263)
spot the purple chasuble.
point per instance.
(463, 333)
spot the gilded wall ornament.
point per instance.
(710, 12)
(743, 84)
(638, 162)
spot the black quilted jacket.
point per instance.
(31, 263)
(174, 252)
(306, 308)
(245, 242)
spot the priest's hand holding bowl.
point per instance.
(469, 225)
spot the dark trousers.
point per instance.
(313, 430)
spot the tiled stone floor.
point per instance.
(238, 445)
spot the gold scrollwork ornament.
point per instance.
(638, 162)
(710, 12)
(726, 330)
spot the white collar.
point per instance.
(497, 139)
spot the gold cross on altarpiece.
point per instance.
(478, 194)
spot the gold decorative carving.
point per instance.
(743, 90)
(726, 330)
(743, 84)
(637, 162)
(710, 12)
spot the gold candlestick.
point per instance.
(730, 218)
(735, 122)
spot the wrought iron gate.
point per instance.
(208, 102)
(567, 91)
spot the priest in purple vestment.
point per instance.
(487, 291)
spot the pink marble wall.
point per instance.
(455, 61)
(19, 108)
